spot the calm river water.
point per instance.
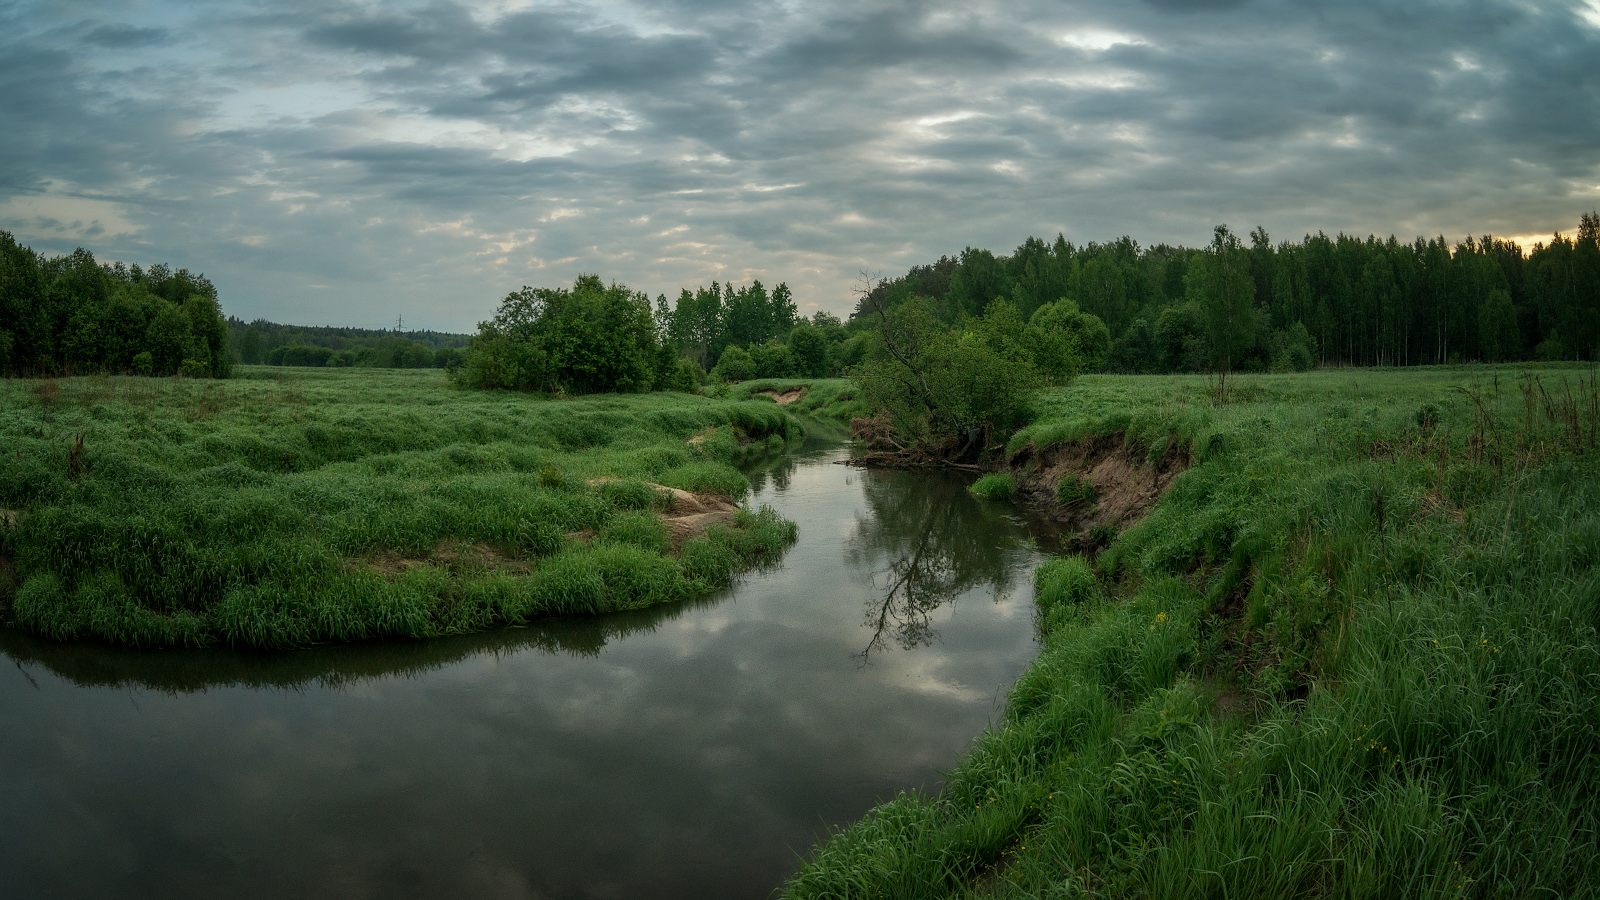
(695, 751)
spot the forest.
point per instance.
(71, 315)
(1116, 307)
(1343, 300)
(594, 338)
(1232, 305)
(269, 343)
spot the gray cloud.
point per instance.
(351, 162)
(120, 36)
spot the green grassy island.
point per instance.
(1352, 652)
(285, 508)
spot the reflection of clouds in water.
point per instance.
(691, 633)
(927, 675)
(711, 740)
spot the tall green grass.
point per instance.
(829, 398)
(995, 486)
(1352, 653)
(293, 508)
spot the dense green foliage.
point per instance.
(69, 314)
(269, 343)
(1354, 652)
(744, 333)
(707, 321)
(291, 507)
(594, 338)
(1338, 300)
(590, 339)
(938, 386)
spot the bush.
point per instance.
(685, 377)
(774, 360)
(936, 382)
(734, 365)
(589, 339)
(809, 345)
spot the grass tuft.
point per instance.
(995, 486)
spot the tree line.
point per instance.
(269, 343)
(66, 315)
(1323, 300)
(595, 337)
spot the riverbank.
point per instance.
(1353, 651)
(717, 734)
(287, 508)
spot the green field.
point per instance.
(1352, 653)
(286, 508)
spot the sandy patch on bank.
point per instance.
(689, 515)
(786, 397)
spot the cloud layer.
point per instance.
(346, 163)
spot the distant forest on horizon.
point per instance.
(1322, 300)
(1361, 301)
(261, 342)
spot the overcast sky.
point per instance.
(350, 162)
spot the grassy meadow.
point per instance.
(284, 508)
(1352, 653)
(823, 398)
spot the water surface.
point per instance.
(691, 751)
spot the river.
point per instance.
(691, 751)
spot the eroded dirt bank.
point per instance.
(1097, 486)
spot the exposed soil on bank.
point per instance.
(691, 515)
(1122, 483)
(784, 398)
(1110, 483)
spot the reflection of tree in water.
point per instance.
(926, 541)
(776, 470)
(821, 438)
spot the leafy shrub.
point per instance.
(589, 339)
(734, 365)
(936, 381)
(685, 377)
